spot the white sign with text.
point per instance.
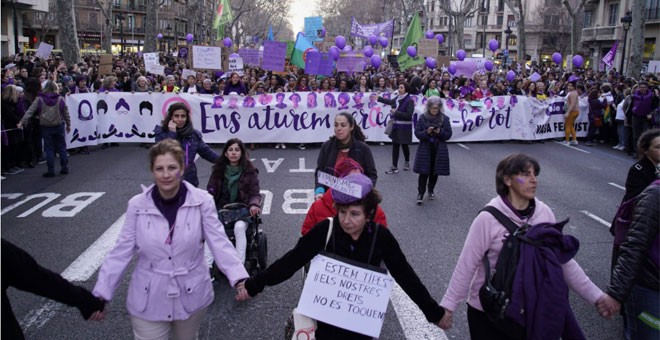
(345, 295)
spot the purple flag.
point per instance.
(364, 31)
(608, 59)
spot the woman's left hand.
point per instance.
(254, 210)
(241, 292)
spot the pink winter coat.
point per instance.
(170, 281)
(486, 233)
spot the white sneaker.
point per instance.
(616, 147)
(574, 142)
(566, 143)
(283, 145)
(621, 147)
(277, 146)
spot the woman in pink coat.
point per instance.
(166, 226)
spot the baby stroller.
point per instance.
(256, 252)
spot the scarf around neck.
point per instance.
(232, 175)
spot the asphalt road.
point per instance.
(580, 183)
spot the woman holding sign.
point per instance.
(351, 236)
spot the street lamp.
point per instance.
(625, 21)
(506, 44)
(121, 34)
(169, 32)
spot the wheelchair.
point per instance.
(256, 252)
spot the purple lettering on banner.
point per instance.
(271, 119)
(276, 52)
(555, 108)
(250, 56)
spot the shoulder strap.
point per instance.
(373, 242)
(327, 237)
(505, 221)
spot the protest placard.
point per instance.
(186, 72)
(428, 48)
(350, 62)
(156, 69)
(339, 184)
(274, 56)
(206, 57)
(443, 61)
(235, 64)
(150, 58)
(105, 64)
(313, 27)
(183, 52)
(250, 56)
(351, 296)
(44, 50)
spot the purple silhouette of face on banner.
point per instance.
(248, 102)
(295, 98)
(265, 99)
(217, 102)
(329, 100)
(311, 100)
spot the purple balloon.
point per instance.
(159, 36)
(333, 51)
(368, 51)
(373, 40)
(460, 54)
(340, 41)
(488, 65)
(383, 41)
(578, 61)
(440, 38)
(557, 58)
(323, 32)
(452, 69)
(234, 55)
(429, 34)
(412, 51)
(190, 37)
(226, 42)
(510, 76)
(347, 48)
(493, 45)
(431, 63)
(375, 61)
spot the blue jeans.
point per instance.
(642, 312)
(54, 142)
(621, 132)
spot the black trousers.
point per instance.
(481, 328)
(431, 178)
(395, 153)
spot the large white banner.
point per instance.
(304, 117)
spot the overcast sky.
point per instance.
(299, 10)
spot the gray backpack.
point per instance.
(49, 115)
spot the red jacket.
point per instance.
(324, 208)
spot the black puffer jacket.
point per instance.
(634, 265)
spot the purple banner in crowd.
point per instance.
(250, 56)
(383, 29)
(274, 56)
(350, 62)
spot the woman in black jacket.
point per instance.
(348, 141)
(354, 237)
(433, 129)
(402, 129)
(596, 109)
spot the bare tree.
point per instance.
(573, 12)
(637, 40)
(106, 10)
(458, 11)
(518, 8)
(151, 26)
(337, 14)
(68, 32)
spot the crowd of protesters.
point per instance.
(620, 109)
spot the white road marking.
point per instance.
(463, 146)
(412, 320)
(572, 147)
(596, 218)
(616, 185)
(79, 270)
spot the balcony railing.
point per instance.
(600, 33)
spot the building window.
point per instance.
(614, 15)
(500, 20)
(500, 5)
(431, 23)
(130, 22)
(588, 15)
(653, 9)
(467, 39)
(443, 21)
(432, 6)
(485, 5)
(484, 20)
(513, 40)
(551, 20)
(468, 22)
(116, 3)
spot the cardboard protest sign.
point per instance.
(186, 72)
(44, 50)
(105, 64)
(443, 61)
(250, 56)
(274, 56)
(346, 295)
(235, 65)
(427, 48)
(206, 57)
(156, 69)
